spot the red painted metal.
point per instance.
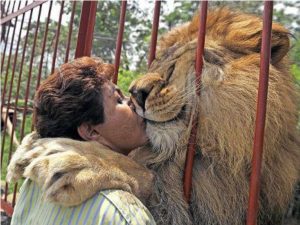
(7, 66)
(86, 29)
(18, 85)
(30, 74)
(7, 207)
(44, 45)
(188, 172)
(57, 36)
(5, 44)
(15, 195)
(42, 55)
(119, 40)
(8, 101)
(265, 55)
(16, 104)
(154, 32)
(21, 11)
(70, 32)
(10, 92)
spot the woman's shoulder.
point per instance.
(129, 206)
(105, 207)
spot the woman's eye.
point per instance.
(120, 93)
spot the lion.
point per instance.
(166, 97)
(226, 109)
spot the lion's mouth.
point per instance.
(138, 109)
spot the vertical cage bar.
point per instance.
(24, 47)
(86, 29)
(154, 32)
(17, 98)
(7, 65)
(30, 74)
(10, 92)
(42, 54)
(5, 44)
(70, 31)
(21, 68)
(18, 87)
(43, 46)
(188, 171)
(8, 101)
(15, 195)
(265, 54)
(57, 36)
(119, 40)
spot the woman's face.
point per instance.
(122, 129)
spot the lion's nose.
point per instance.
(140, 95)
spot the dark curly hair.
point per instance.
(70, 96)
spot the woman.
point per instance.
(80, 102)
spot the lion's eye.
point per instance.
(170, 72)
(213, 57)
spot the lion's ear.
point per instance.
(280, 44)
(246, 38)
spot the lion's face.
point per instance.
(166, 95)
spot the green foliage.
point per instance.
(183, 12)
(295, 69)
(125, 78)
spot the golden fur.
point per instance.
(226, 111)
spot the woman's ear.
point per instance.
(88, 132)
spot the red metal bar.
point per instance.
(57, 36)
(18, 85)
(119, 40)
(15, 195)
(7, 66)
(42, 54)
(265, 54)
(4, 51)
(30, 73)
(23, 57)
(16, 102)
(44, 45)
(70, 31)
(154, 32)
(188, 172)
(10, 92)
(8, 100)
(21, 11)
(86, 29)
